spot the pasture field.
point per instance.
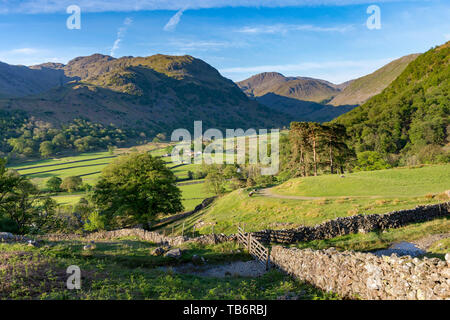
(312, 203)
(125, 269)
(89, 166)
(397, 182)
(192, 195)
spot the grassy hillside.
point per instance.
(309, 201)
(411, 115)
(399, 182)
(361, 89)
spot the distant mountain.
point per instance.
(361, 89)
(19, 81)
(159, 93)
(301, 88)
(302, 110)
(412, 115)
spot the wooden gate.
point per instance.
(254, 247)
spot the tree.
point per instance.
(371, 160)
(22, 203)
(54, 184)
(46, 149)
(215, 180)
(72, 183)
(134, 189)
(335, 136)
(311, 145)
(300, 148)
(314, 132)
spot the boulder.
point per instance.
(197, 260)
(158, 251)
(174, 253)
(6, 236)
(32, 243)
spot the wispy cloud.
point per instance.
(29, 56)
(285, 28)
(120, 35)
(447, 36)
(45, 6)
(202, 45)
(24, 51)
(173, 22)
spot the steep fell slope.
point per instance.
(361, 89)
(411, 113)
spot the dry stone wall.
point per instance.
(366, 276)
(355, 224)
(143, 235)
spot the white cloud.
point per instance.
(120, 35)
(173, 22)
(202, 45)
(29, 56)
(45, 6)
(285, 28)
(447, 36)
(25, 51)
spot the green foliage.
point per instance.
(215, 180)
(46, 149)
(72, 183)
(94, 222)
(24, 137)
(413, 112)
(370, 160)
(54, 184)
(313, 146)
(135, 188)
(22, 207)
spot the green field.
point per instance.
(398, 182)
(323, 198)
(89, 165)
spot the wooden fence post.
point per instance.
(269, 250)
(249, 242)
(182, 230)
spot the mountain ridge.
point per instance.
(162, 92)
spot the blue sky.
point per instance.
(325, 39)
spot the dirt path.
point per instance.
(268, 193)
(249, 269)
(426, 242)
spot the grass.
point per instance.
(124, 269)
(398, 182)
(89, 165)
(192, 196)
(259, 212)
(383, 239)
(324, 198)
